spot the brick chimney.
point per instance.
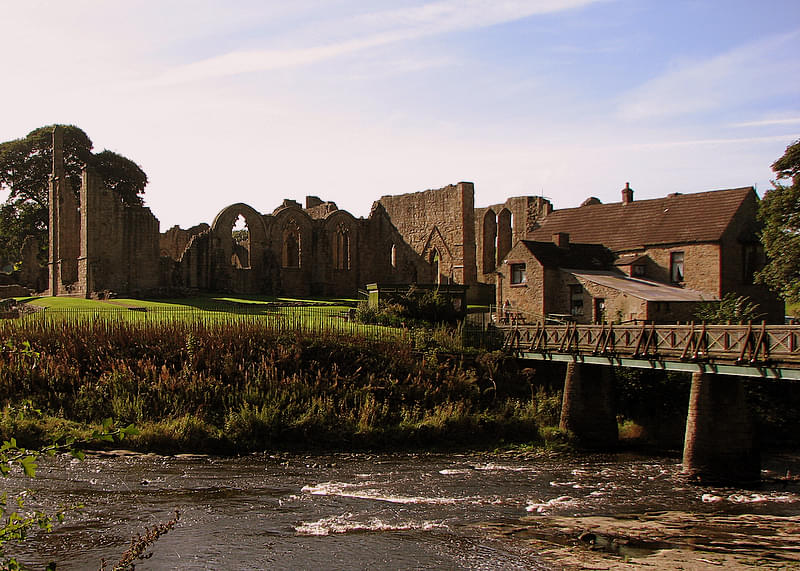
(561, 239)
(627, 193)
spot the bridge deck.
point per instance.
(771, 351)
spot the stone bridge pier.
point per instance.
(720, 443)
(588, 409)
(719, 446)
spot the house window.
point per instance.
(576, 300)
(518, 274)
(638, 270)
(676, 267)
(393, 256)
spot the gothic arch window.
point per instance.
(504, 235)
(341, 248)
(393, 257)
(291, 245)
(435, 262)
(240, 238)
(489, 241)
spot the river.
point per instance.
(353, 511)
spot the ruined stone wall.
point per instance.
(439, 222)
(499, 226)
(173, 242)
(64, 226)
(119, 244)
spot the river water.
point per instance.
(352, 511)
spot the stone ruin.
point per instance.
(100, 246)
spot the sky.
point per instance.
(257, 101)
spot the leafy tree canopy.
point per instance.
(779, 212)
(25, 167)
(731, 308)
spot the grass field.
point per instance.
(308, 315)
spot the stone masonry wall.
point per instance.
(173, 242)
(440, 220)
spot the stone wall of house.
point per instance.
(744, 255)
(619, 306)
(702, 263)
(439, 223)
(528, 297)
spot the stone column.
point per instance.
(720, 444)
(587, 408)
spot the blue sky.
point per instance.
(257, 101)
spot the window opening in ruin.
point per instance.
(435, 265)
(489, 242)
(676, 267)
(503, 234)
(518, 275)
(576, 300)
(393, 255)
(291, 245)
(240, 236)
(341, 248)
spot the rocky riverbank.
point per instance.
(659, 540)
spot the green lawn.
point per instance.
(281, 312)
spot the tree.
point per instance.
(779, 212)
(731, 308)
(25, 167)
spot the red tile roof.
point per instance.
(678, 218)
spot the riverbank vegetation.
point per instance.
(211, 387)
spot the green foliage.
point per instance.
(205, 386)
(25, 167)
(415, 306)
(15, 521)
(731, 308)
(779, 212)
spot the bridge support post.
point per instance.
(720, 444)
(587, 407)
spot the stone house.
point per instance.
(564, 281)
(670, 253)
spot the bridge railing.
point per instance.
(739, 344)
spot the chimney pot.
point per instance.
(627, 193)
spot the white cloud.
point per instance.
(747, 73)
(373, 30)
(769, 122)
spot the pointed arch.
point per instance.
(504, 237)
(292, 244)
(489, 241)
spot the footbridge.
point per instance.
(720, 444)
